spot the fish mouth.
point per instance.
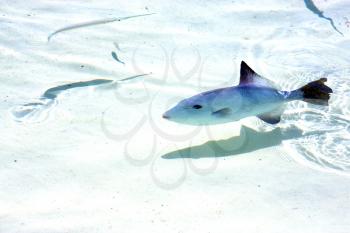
(165, 116)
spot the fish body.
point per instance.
(254, 96)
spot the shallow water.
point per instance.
(84, 146)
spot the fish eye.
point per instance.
(197, 106)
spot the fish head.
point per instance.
(191, 111)
(202, 109)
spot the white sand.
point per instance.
(63, 167)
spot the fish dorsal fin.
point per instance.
(249, 77)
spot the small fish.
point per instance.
(115, 56)
(254, 96)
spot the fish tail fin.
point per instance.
(316, 92)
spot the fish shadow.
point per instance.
(249, 140)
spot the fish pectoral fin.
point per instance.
(272, 117)
(223, 112)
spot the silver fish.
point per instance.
(254, 96)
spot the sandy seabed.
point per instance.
(84, 149)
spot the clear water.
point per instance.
(84, 148)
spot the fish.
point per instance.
(115, 56)
(254, 96)
(53, 92)
(92, 23)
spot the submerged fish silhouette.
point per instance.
(254, 96)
